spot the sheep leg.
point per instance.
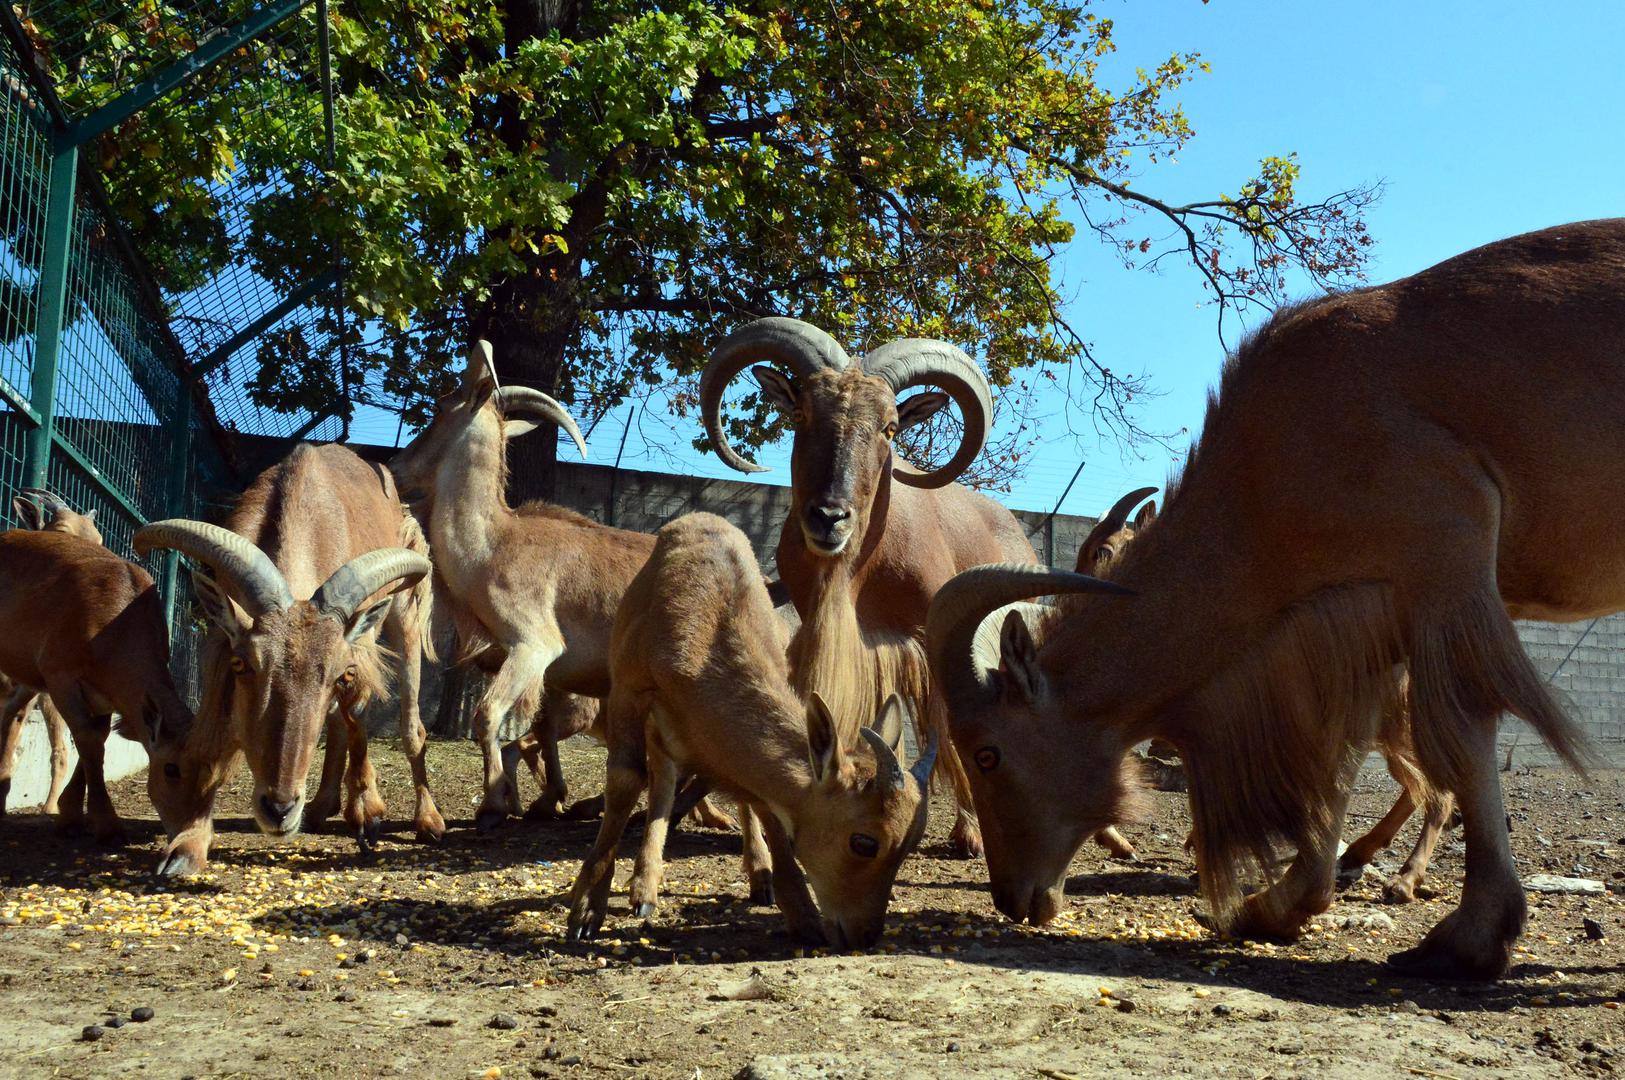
(13, 718)
(625, 777)
(540, 748)
(330, 793)
(1115, 843)
(90, 733)
(1476, 939)
(70, 807)
(1402, 888)
(645, 888)
(1308, 886)
(426, 820)
(789, 883)
(57, 729)
(965, 841)
(758, 858)
(363, 806)
(1363, 850)
(708, 814)
(520, 673)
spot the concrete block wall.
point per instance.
(31, 781)
(1586, 666)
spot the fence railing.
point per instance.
(120, 395)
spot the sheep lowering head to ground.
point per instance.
(700, 684)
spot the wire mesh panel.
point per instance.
(24, 174)
(118, 398)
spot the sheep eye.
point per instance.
(347, 680)
(172, 771)
(239, 666)
(987, 758)
(890, 432)
(865, 847)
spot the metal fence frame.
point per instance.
(99, 399)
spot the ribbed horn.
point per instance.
(910, 362)
(52, 502)
(789, 343)
(480, 357)
(343, 593)
(1106, 526)
(921, 771)
(236, 562)
(515, 400)
(966, 599)
(888, 770)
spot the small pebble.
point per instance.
(114, 1022)
(348, 996)
(1593, 929)
(142, 1014)
(503, 1022)
(953, 1048)
(92, 1032)
(441, 1021)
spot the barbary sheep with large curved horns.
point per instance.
(1388, 476)
(318, 552)
(861, 556)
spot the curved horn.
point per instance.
(255, 578)
(921, 770)
(512, 400)
(342, 594)
(888, 770)
(966, 599)
(482, 354)
(790, 343)
(910, 362)
(1110, 523)
(52, 502)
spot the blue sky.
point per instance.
(1484, 119)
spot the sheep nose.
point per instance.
(828, 515)
(278, 813)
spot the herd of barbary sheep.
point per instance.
(1385, 479)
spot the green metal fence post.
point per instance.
(50, 313)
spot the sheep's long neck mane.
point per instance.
(470, 501)
(851, 668)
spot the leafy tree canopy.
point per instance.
(606, 187)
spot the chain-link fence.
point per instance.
(137, 330)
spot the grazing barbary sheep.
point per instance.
(317, 553)
(1386, 477)
(699, 683)
(1101, 550)
(49, 514)
(87, 627)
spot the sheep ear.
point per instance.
(776, 387)
(919, 408)
(29, 514)
(1147, 514)
(221, 609)
(512, 429)
(823, 747)
(1018, 660)
(889, 725)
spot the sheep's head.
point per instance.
(289, 660)
(845, 417)
(478, 409)
(865, 813)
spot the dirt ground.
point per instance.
(307, 959)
